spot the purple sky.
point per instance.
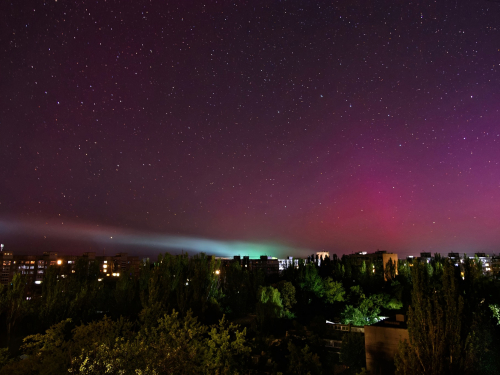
(339, 126)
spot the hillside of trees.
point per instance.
(190, 315)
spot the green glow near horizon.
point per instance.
(162, 243)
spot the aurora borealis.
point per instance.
(314, 125)
(116, 238)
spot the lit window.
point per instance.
(59, 262)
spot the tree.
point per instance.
(48, 353)
(366, 313)
(287, 293)
(175, 345)
(437, 338)
(495, 309)
(54, 304)
(182, 283)
(13, 302)
(363, 310)
(303, 361)
(104, 331)
(235, 282)
(153, 308)
(125, 293)
(311, 281)
(352, 352)
(256, 279)
(202, 283)
(363, 269)
(269, 306)
(226, 349)
(333, 290)
(404, 270)
(75, 295)
(5, 358)
(102, 359)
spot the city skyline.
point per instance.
(294, 127)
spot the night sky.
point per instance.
(297, 126)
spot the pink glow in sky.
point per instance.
(338, 126)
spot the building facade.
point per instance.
(34, 267)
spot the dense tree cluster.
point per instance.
(451, 321)
(191, 315)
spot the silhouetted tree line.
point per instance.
(190, 315)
